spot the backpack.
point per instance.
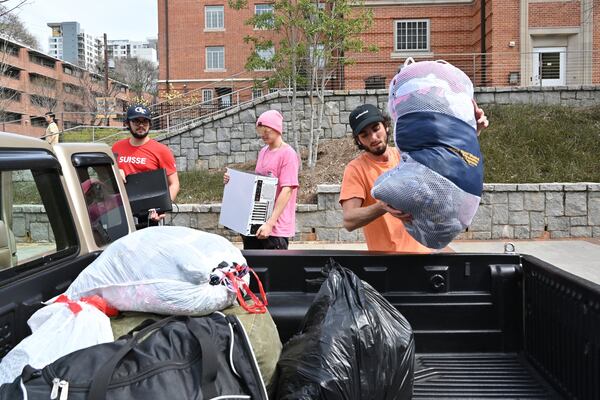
(174, 358)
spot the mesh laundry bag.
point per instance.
(440, 179)
(163, 270)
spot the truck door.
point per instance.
(40, 251)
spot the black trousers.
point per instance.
(270, 243)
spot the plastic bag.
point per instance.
(57, 329)
(163, 270)
(353, 345)
(435, 130)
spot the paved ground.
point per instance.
(580, 257)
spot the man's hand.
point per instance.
(404, 217)
(153, 215)
(264, 231)
(225, 178)
(482, 121)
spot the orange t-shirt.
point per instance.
(386, 233)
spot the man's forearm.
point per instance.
(173, 182)
(358, 217)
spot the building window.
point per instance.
(215, 58)
(412, 35)
(264, 9)
(256, 93)
(207, 95)
(266, 55)
(214, 17)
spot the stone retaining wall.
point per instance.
(507, 211)
(230, 137)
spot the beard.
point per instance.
(140, 135)
(379, 151)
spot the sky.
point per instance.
(119, 19)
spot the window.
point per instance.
(44, 61)
(10, 117)
(412, 35)
(103, 201)
(35, 225)
(10, 94)
(264, 9)
(42, 101)
(317, 56)
(11, 72)
(214, 17)
(266, 55)
(207, 95)
(215, 58)
(256, 93)
(273, 90)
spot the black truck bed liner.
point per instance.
(478, 376)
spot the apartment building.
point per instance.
(496, 42)
(33, 83)
(145, 50)
(201, 47)
(70, 43)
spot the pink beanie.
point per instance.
(273, 119)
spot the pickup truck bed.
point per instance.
(486, 325)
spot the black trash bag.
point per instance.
(353, 345)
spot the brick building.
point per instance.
(33, 83)
(496, 42)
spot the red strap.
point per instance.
(73, 305)
(101, 305)
(260, 305)
(94, 300)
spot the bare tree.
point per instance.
(140, 75)
(11, 26)
(91, 89)
(11, 29)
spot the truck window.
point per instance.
(104, 203)
(35, 222)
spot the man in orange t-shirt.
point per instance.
(383, 226)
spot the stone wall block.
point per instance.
(575, 203)
(555, 203)
(515, 201)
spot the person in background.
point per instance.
(52, 131)
(139, 153)
(383, 226)
(280, 160)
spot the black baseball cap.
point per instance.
(363, 116)
(138, 111)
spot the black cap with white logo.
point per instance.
(138, 111)
(363, 116)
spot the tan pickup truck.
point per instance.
(486, 325)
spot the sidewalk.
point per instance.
(580, 256)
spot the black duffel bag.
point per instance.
(174, 358)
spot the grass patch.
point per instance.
(104, 135)
(533, 143)
(200, 186)
(25, 192)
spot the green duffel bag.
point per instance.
(260, 328)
